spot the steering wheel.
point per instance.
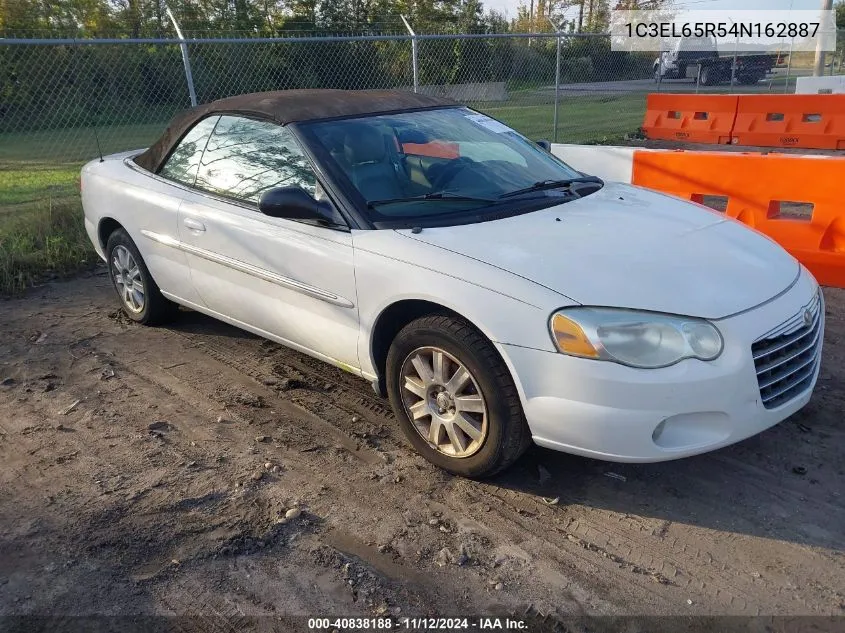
(449, 171)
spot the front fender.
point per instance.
(505, 308)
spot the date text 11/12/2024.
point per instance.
(417, 624)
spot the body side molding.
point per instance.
(249, 269)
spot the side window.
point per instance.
(245, 157)
(183, 163)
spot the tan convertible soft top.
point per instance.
(288, 106)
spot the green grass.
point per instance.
(42, 233)
(26, 184)
(581, 118)
(75, 145)
(41, 225)
(41, 242)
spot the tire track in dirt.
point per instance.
(620, 541)
(193, 393)
(197, 389)
(194, 387)
(689, 564)
(594, 550)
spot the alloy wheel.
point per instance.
(127, 279)
(443, 402)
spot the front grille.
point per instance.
(787, 358)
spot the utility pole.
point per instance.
(818, 68)
(186, 60)
(414, 64)
(557, 28)
(531, 18)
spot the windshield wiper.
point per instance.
(551, 184)
(440, 195)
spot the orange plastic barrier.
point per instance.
(434, 149)
(808, 121)
(756, 187)
(690, 117)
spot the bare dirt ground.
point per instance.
(150, 471)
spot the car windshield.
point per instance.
(435, 164)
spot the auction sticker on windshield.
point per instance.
(491, 124)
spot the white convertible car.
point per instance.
(493, 293)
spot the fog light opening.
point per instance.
(692, 430)
(658, 430)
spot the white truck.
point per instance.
(698, 58)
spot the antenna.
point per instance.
(99, 149)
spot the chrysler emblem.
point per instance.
(808, 317)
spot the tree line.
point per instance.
(269, 18)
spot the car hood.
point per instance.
(624, 246)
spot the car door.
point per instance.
(154, 215)
(288, 279)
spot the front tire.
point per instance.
(140, 297)
(454, 397)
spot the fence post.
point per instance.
(189, 77)
(659, 69)
(789, 65)
(414, 65)
(557, 83)
(733, 64)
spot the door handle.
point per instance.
(194, 225)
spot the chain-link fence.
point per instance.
(62, 101)
(60, 98)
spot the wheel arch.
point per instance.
(397, 315)
(108, 225)
(105, 228)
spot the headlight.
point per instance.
(639, 339)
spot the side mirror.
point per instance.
(546, 145)
(294, 203)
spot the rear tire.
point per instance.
(139, 295)
(709, 76)
(489, 432)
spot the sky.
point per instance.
(509, 6)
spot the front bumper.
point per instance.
(609, 411)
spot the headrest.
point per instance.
(363, 144)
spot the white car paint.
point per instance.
(612, 248)
(322, 291)
(325, 323)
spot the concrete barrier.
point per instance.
(486, 91)
(820, 85)
(604, 161)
